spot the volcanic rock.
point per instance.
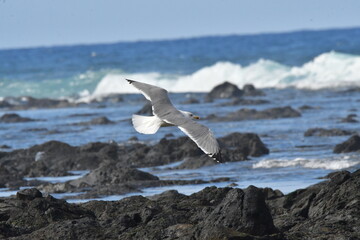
(250, 90)
(350, 145)
(224, 90)
(322, 132)
(14, 118)
(252, 114)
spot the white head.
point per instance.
(189, 115)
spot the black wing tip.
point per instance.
(130, 81)
(217, 157)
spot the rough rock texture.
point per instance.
(328, 210)
(224, 90)
(322, 132)
(250, 90)
(241, 101)
(95, 121)
(234, 147)
(226, 212)
(191, 101)
(252, 114)
(30, 102)
(350, 145)
(350, 119)
(14, 118)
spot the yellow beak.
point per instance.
(196, 117)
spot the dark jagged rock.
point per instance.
(242, 210)
(350, 145)
(235, 147)
(112, 98)
(322, 132)
(26, 102)
(328, 210)
(191, 101)
(5, 104)
(224, 90)
(349, 119)
(28, 194)
(95, 121)
(252, 114)
(249, 143)
(56, 159)
(111, 173)
(14, 118)
(307, 107)
(250, 90)
(241, 101)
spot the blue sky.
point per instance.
(29, 23)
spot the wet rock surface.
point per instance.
(350, 145)
(252, 114)
(20, 103)
(55, 158)
(241, 101)
(95, 121)
(250, 90)
(350, 119)
(14, 118)
(328, 210)
(323, 132)
(224, 90)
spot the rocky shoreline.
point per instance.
(328, 210)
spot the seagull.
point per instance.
(165, 114)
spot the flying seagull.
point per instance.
(165, 114)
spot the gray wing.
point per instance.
(203, 137)
(164, 109)
(161, 104)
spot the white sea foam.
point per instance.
(327, 70)
(330, 164)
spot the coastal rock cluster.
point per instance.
(328, 210)
(55, 158)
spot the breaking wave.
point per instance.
(328, 70)
(328, 163)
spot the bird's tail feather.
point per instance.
(146, 124)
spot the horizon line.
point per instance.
(179, 38)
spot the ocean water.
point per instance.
(312, 68)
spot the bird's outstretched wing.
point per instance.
(165, 110)
(161, 104)
(203, 137)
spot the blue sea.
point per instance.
(314, 68)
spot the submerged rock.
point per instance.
(95, 121)
(350, 145)
(322, 132)
(250, 90)
(14, 118)
(27, 102)
(252, 114)
(241, 101)
(191, 101)
(350, 119)
(224, 90)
